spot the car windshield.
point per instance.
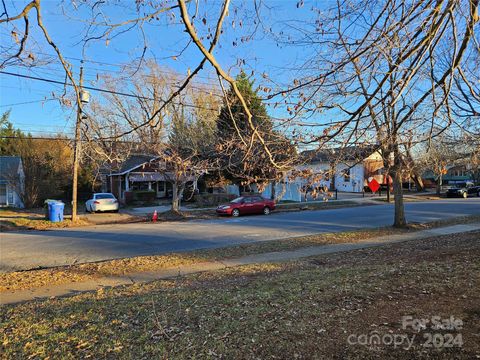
(237, 200)
(104, 196)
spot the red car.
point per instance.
(251, 204)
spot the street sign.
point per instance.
(374, 185)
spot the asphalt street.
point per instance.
(32, 249)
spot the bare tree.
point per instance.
(378, 69)
(439, 157)
(95, 30)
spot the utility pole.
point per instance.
(77, 149)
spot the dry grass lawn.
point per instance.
(300, 310)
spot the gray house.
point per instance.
(12, 181)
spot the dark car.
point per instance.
(252, 204)
(463, 190)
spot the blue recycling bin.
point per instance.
(55, 211)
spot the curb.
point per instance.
(69, 289)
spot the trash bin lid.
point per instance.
(58, 204)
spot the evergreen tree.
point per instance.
(226, 127)
(248, 163)
(9, 136)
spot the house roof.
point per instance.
(348, 153)
(133, 162)
(9, 167)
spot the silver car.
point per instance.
(102, 202)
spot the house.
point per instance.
(454, 174)
(344, 169)
(12, 181)
(141, 172)
(137, 172)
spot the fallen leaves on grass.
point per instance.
(61, 275)
(305, 309)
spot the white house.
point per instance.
(343, 169)
(12, 181)
(348, 167)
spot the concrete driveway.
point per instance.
(26, 250)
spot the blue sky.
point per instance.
(165, 39)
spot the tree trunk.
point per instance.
(399, 220)
(272, 193)
(388, 187)
(417, 179)
(439, 184)
(333, 170)
(175, 197)
(399, 217)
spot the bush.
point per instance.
(144, 195)
(205, 200)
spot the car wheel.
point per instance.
(478, 194)
(465, 195)
(235, 212)
(266, 210)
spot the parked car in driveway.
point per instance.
(102, 202)
(463, 190)
(251, 204)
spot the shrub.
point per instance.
(144, 195)
(205, 200)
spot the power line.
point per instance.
(41, 131)
(68, 84)
(119, 65)
(127, 78)
(27, 102)
(21, 123)
(112, 92)
(99, 89)
(51, 138)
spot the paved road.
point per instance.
(26, 250)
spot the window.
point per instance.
(104, 196)
(161, 186)
(346, 175)
(139, 186)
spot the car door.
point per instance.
(258, 204)
(248, 206)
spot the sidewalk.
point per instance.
(143, 277)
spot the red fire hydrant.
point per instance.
(155, 216)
